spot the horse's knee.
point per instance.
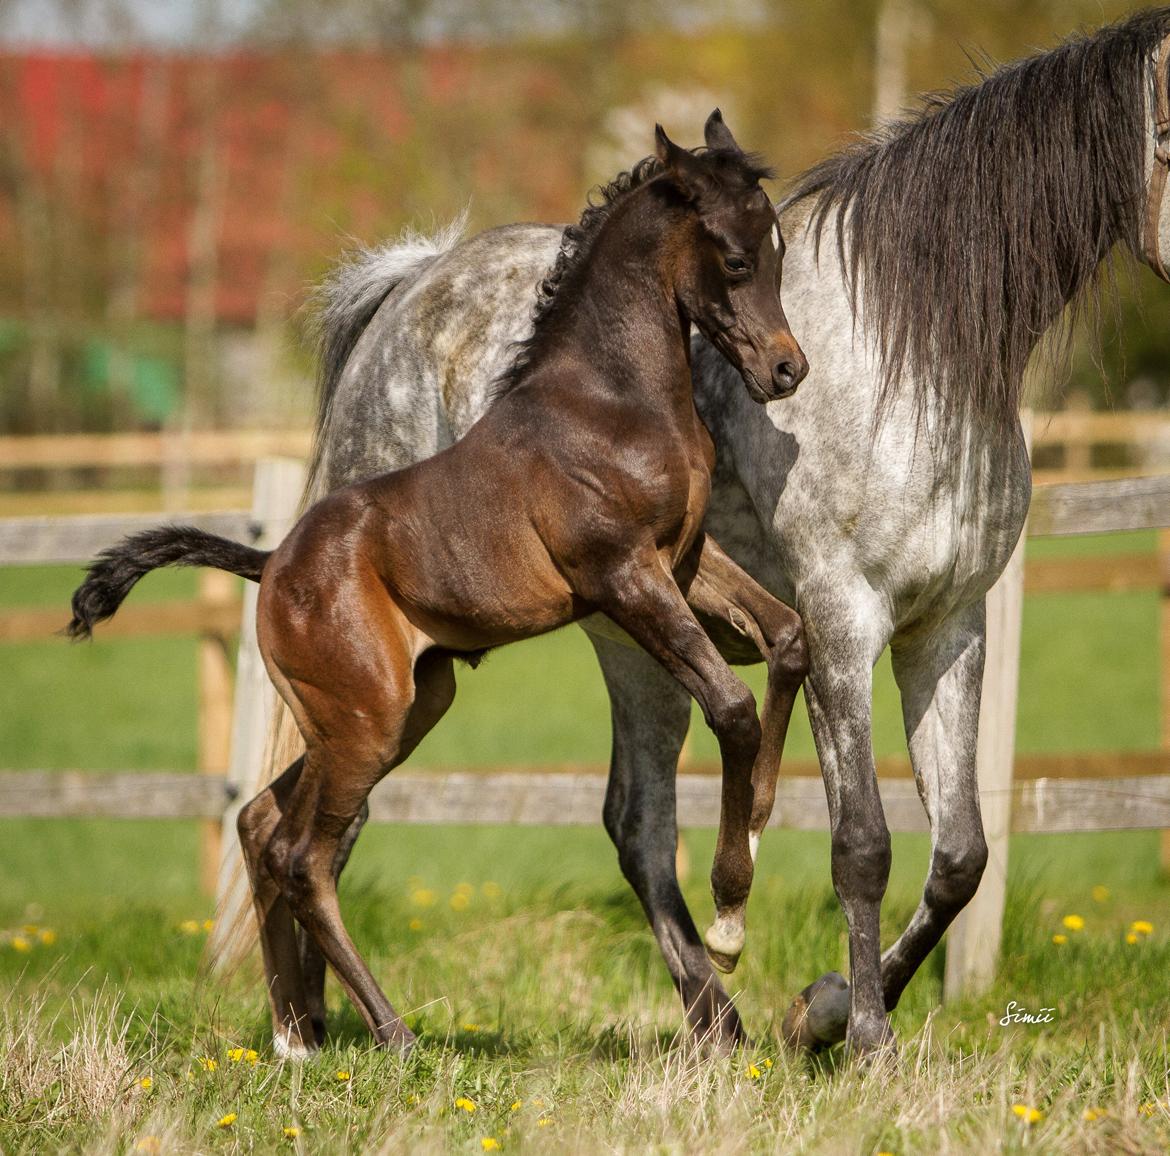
(955, 873)
(255, 823)
(861, 862)
(790, 650)
(735, 721)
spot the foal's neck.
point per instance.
(626, 320)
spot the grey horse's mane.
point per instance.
(966, 229)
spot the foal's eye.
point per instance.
(735, 265)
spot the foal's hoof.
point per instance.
(724, 941)
(289, 1046)
(819, 1016)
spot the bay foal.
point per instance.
(582, 489)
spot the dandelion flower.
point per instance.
(343, 1076)
(767, 1063)
(47, 936)
(516, 1106)
(208, 1064)
(235, 1054)
(491, 890)
(1074, 922)
(416, 924)
(1091, 1114)
(1148, 1108)
(209, 925)
(1058, 939)
(1142, 927)
(227, 1121)
(1027, 1114)
(291, 1132)
(464, 889)
(753, 1072)
(146, 1083)
(422, 897)
(148, 1144)
(459, 901)
(465, 1104)
(189, 927)
(412, 1098)
(471, 1027)
(252, 1056)
(19, 943)
(1131, 938)
(1100, 894)
(30, 929)
(490, 1144)
(543, 1122)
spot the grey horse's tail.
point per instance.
(346, 300)
(343, 306)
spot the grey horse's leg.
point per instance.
(313, 965)
(651, 713)
(839, 694)
(940, 676)
(941, 680)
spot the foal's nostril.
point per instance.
(787, 373)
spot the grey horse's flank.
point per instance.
(881, 532)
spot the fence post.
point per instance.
(974, 938)
(276, 492)
(215, 714)
(1164, 664)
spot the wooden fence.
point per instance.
(1039, 793)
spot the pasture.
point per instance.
(545, 1016)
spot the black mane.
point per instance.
(967, 229)
(726, 166)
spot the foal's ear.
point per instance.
(718, 135)
(681, 166)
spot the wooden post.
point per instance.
(277, 490)
(215, 712)
(974, 938)
(1164, 665)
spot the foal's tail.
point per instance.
(113, 573)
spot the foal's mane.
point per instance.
(554, 291)
(965, 229)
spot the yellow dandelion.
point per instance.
(465, 1105)
(343, 1076)
(189, 927)
(1131, 938)
(235, 1054)
(471, 1027)
(490, 1144)
(1058, 939)
(543, 1122)
(209, 925)
(1091, 1114)
(516, 1106)
(412, 1098)
(47, 936)
(416, 924)
(1074, 922)
(1148, 1108)
(767, 1063)
(146, 1083)
(1142, 927)
(1100, 894)
(291, 1132)
(464, 889)
(753, 1072)
(148, 1144)
(208, 1064)
(30, 929)
(491, 890)
(1027, 1114)
(422, 897)
(19, 943)
(459, 902)
(226, 1121)
(539, 1103)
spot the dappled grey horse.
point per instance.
(924, 265)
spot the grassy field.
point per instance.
(523, 961)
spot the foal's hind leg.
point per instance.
(721, 588)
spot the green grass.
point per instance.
(557, 975)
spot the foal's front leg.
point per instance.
(722, 589)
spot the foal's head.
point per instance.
(727, 264)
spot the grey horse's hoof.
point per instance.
(819, 1016)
